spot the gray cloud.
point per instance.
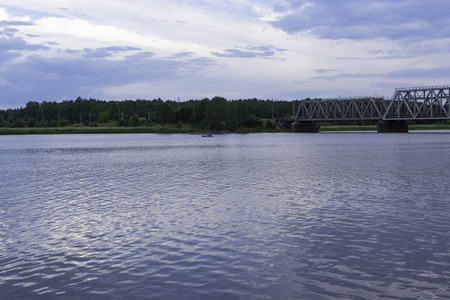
(106, 51)
(354, 19)
(183, 55)
(7, 55)
(15, 23)
(431, 73)
(9, 42)
(78, 72)
(36, 76)
(120, 49)
(411, 73)
(321, 71)
(263, 48)
(239, 53)
(249, 52)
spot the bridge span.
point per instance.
(406, 104)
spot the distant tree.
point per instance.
(125, 121)
(252, 121)
(32, 109)
(184, 113)
(104, 116)
(165, 113)
(32, 122)
(240, 112)
(199, 112)
(114, 111)
(134, 121)
(19, 123)
(231, 125)
(217, 113)
(62, 123)
(270, 124)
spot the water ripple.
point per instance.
(358, 216)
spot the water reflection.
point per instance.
(281, 216)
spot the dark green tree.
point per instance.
(217, 113)
(165, 113)
(199, 111)
(270, 125)
(32, 122)
(19, 123)
(240, 112)
(134, 121)
(104, 116)
(62, 123)
(31, 109)
(114, 111)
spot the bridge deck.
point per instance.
(420, 103)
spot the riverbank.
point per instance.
(173, 129)
(89, 130)
(374, 127)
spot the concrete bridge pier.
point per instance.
(385, 126)
(284, 125)
(305, 126)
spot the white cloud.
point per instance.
(234, 48)
(161, 27)
(3, 14)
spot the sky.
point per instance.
(55, 50)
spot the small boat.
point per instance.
(207, 135)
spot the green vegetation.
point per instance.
(372, 125)
(88, 130)
(157, 116)
(430, 127)
(146, 116)
(348, 128)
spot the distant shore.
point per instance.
(374, 127)
(87, 130)
(174, 129)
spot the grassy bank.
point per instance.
(374, 128)
(429, 127)
(92, 130)
(349, 128)
(111, 130)
(183, 129)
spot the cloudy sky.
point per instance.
(53, 50)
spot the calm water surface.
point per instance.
(258, 216)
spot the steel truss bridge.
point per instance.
(419, 103)
(416, 103)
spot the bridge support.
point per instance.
(312, 127)
(284, 125)
(385, 126)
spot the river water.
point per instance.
(256, 216)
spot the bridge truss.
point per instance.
(419, 103)
(334, 109)
(406, 104)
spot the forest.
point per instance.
(215, 114)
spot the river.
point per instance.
(254, 216)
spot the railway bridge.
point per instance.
(406, 104)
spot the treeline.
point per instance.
(216, 114)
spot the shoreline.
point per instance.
(174, 130)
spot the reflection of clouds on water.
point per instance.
(263, 215)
